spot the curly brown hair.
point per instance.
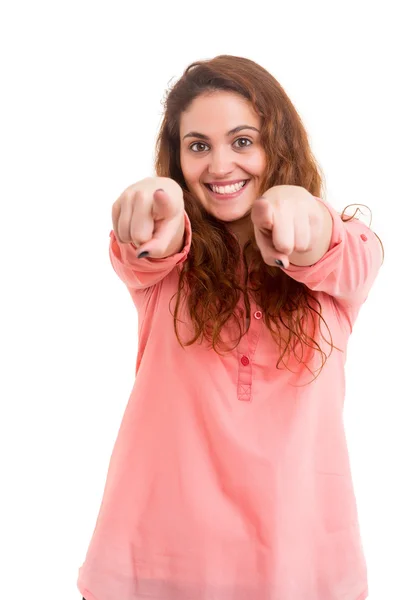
(208, 279)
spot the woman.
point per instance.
(230, 476)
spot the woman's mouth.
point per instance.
(227, 192)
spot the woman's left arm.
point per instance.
(316, 247)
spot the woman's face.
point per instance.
(220, 145)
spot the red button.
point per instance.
(363, 237)
(245, 361)
(258, 314)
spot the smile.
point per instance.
(227, 191)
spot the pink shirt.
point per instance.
(228, 482)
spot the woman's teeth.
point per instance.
(228, 189)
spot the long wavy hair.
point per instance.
(209, 280)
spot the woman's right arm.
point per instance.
(147, 219)
(141, 273)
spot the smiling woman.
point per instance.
(230, 476)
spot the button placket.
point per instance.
(246, 350)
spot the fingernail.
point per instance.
(159, 190)
(143, 254)
(279, 262)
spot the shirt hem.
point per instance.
(89, 596)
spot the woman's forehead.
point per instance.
(218, 113)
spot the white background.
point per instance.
(82, 84)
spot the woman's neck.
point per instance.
(242, 229)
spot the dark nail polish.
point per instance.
(143, 254)
(279, 262)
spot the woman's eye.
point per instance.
(245, 140)
(197, 144)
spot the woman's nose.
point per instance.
(221, 163)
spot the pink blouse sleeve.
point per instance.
(350, 266)
(142, 273)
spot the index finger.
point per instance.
(262, 214)
(283, 231)
(163, 205)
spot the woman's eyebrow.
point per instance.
(196, 134)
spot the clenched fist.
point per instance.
(150, 215)
(290, 222)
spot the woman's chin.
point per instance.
(231, 216)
